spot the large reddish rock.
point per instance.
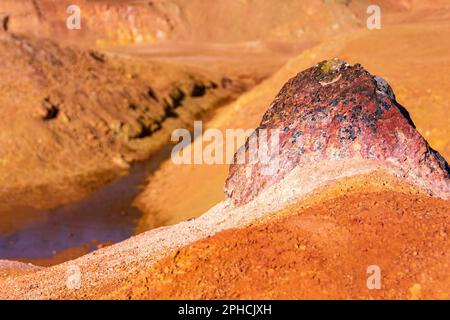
(333, 113)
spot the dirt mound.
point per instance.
(113, 271)
(423, 48)
(363, 213)
(306, 187)
(322, 252)
(121, 109)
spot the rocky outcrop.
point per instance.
(338, 221)
(336, 113)
(117, 23)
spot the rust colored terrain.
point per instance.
(121, 109)
(322, 252)
(319, 247)
(416, 42)
(362, 182)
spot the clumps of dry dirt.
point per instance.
(79, 117)
(107, 272)
(322, 252)
(313, 249)
(390, 223)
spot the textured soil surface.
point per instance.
(122, 109)
(321, 245)
(322, 252)
(88, 103)
(424, 46)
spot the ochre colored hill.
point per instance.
(412, 57)
(321, 252)
(310, 234)
(318, 247)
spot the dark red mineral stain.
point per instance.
(337, 111)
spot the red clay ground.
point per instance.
(399, 53)
(319, 253)
(319, 247)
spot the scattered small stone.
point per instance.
(120, 161)
(64, 117)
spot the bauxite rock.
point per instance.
(334, 111)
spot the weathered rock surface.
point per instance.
(333, 113)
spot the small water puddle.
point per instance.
(63, 233)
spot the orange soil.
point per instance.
(320, 252)
(316, 249)
(112, 271)
(411, 55)
(12, 268)
(101, 103)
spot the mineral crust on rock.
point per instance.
(337, 113)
